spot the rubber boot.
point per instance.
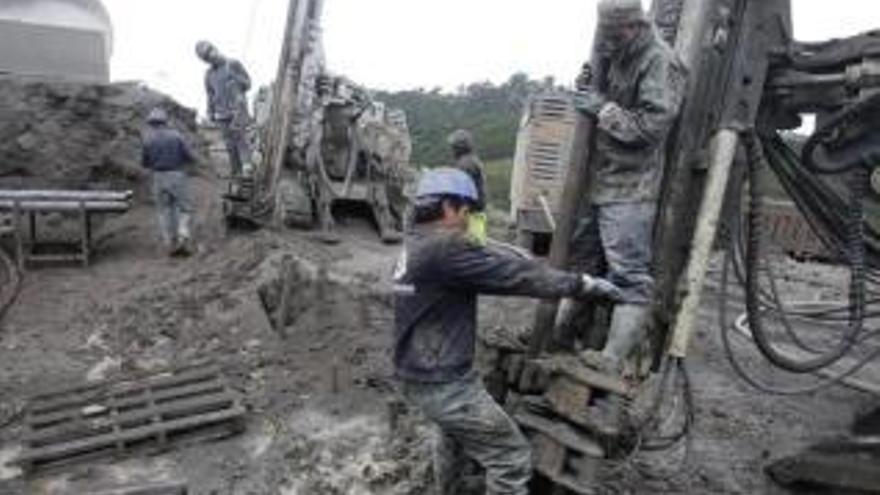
(166, 231)
(626, 332)
(184, 247)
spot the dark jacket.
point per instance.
(165, 150)
(473, 166)
(437, 280)
(646, 82)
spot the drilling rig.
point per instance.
(749, 85)
(324, 142)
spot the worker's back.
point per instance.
(165, 150)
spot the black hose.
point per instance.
(9, 292)
(740, 370)
(855, 255)
(854, 156)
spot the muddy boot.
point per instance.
(627, 331)
(184, 239)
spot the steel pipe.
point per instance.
(724, 146)
(49, 206)
(62, 195)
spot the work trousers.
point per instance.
(173, 203)
(614, 241)
(472, 426)
(236, 140)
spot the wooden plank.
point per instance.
(200, 388)
(589, 420)
(101, 441)
(166, 488)
(79, 397)
(549, 455)
(560, 432)
(154, 377)
(573, 368)
(567, 397)
(120, 420)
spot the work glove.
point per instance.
(589, 102)
(596, 287)
(585, 78)
(611, 118)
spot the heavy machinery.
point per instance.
(749, 82)
(543, 146)
(323, 142)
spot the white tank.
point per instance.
(56, 39)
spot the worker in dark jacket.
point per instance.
(466, 159)
(633, 117)
(167, 155)
(226, 84)
(437, 279)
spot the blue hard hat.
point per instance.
(447, 181)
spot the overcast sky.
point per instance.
(394, 44)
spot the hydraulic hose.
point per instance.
(739, 368)
(865, 152)
(855, 255)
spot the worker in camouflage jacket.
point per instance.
(464, 152)
(226, 84)
(634, 112)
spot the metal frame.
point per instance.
(24, 205)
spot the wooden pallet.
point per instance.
(563, 454)
(123, 417)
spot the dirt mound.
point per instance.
(69, 134)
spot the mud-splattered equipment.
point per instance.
(119, 418)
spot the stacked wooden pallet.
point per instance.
(553, 400)
(125, 417)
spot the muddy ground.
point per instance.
(322, 414)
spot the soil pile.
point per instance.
(69, 133)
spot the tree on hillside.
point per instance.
(491, 112)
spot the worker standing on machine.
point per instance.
(461, 142)
(167, 155)
(634, 113)
(227, 83)
(440, 272)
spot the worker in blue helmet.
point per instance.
(437, 278)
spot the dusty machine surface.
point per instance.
(356, 151)
(324, 143)
(749, 83)
(543, 148)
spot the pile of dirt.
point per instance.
(71, 134)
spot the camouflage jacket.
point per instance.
(227, 85)
(645, 87)
(473, 166)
